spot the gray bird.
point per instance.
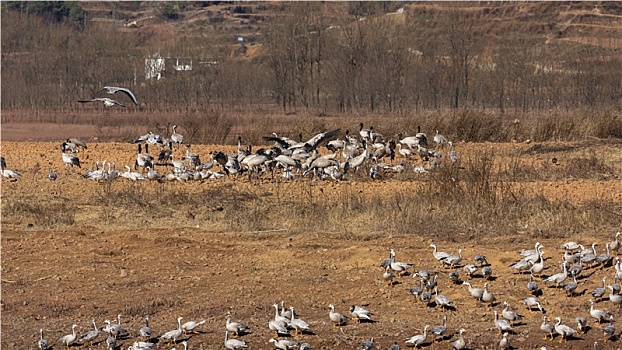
(531, 302)
(547, 328)
(487, 272)
(42, 343)
(395, 346)
(581, 324)
(90, 336)
(145, 331)
(509, 314)
(367, 344)
(609, 331)
(502, 325)
(439, 331)
(454, 276)
(52, 175)
(442, 300)
(532, 285)
(598, 293)
(571, 287)
(481, 259)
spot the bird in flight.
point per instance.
(108, 102)
(114, 89)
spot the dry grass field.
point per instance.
(76, 250)
(538, 80)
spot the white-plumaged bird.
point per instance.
(108, 102)
(114, 89)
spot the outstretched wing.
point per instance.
(321, 138)
(283, 141)
(115, 89)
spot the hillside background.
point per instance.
(493, 60)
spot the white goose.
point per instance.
(397, 266)
(417, 340)
(233, 344)
(286, 322)
(437, 254)
(235, 327)
(69, 338)
(336, 318)
(284, 344)
(174, 334)
(298, 324)
(563, 330)
(559, 277)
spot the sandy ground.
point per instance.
(52, 278)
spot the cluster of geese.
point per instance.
(293, 158)
(285, 321)
(507, 321)
(575, 259)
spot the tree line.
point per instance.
(368, 63)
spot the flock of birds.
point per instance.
(367, 148)
(346, 153)
(287, 325)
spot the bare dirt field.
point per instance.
(76, 250)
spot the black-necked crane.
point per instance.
(108, 102)
(114, 89)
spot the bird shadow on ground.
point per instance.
(586, 276)
(367, 321)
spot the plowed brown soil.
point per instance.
(55, 276)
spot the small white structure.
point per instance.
(182, 67)
(154, 66)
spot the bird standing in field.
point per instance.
(336, 318)
(360, 313)
(69, 338)
(42, 343)
(235, 327)
(90, 336)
